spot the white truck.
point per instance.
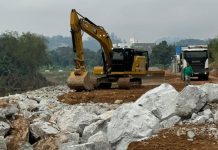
(197, 56)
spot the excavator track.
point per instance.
(124, 83)
(127, 82)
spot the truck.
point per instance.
(197, 57)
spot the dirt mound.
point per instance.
(105, 96)
(170, 139)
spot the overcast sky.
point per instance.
(145, 20)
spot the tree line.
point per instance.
(20, 59)
(22, 56)
(213, 51)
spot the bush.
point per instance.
(20, 59)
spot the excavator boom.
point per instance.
(80, 78)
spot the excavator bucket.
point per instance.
(80, 82)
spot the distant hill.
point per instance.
(60, 41)
(187, 42)
(169, 40)
(182, 42)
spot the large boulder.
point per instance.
(24, 103)
(101, 141)
(74, 119)
(9, 110)
(131, 122)
(190, 100)
(40, 129)
(211, 89)
(161, 101)
(141, 119)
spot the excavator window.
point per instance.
(122, 60)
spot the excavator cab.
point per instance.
(122, 59)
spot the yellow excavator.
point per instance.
(124, 66)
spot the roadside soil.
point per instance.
(176, 139)
(114, 94)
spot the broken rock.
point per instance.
(168, 123)
(4, 128)
(73, 138)
(211, 89)
(10, 110)
(74, 119)
(215, 116)
(200, 119)
(161, 101)
(190, 135)
(69, 146)
(2, 143)
(100, 140)
(131, 122)
(190, 100)
(93, 128)
(40, 129)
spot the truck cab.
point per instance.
(197, 57)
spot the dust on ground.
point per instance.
(176, 139)
(111, 95)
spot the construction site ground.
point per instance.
(166, 139)
(176, 139)
(122, 96)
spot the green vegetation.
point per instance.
(63, 57)
(213, 48)
(20, 59)
(187, 42)
(162, 54)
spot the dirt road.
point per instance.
(111, 95)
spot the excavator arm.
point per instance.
(79, 78)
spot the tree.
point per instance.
(20, 59)
(162, 54)
(64, 57)
(213, 51)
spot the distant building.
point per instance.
(143, 46)
(121, 45)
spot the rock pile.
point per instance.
(37, 119)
